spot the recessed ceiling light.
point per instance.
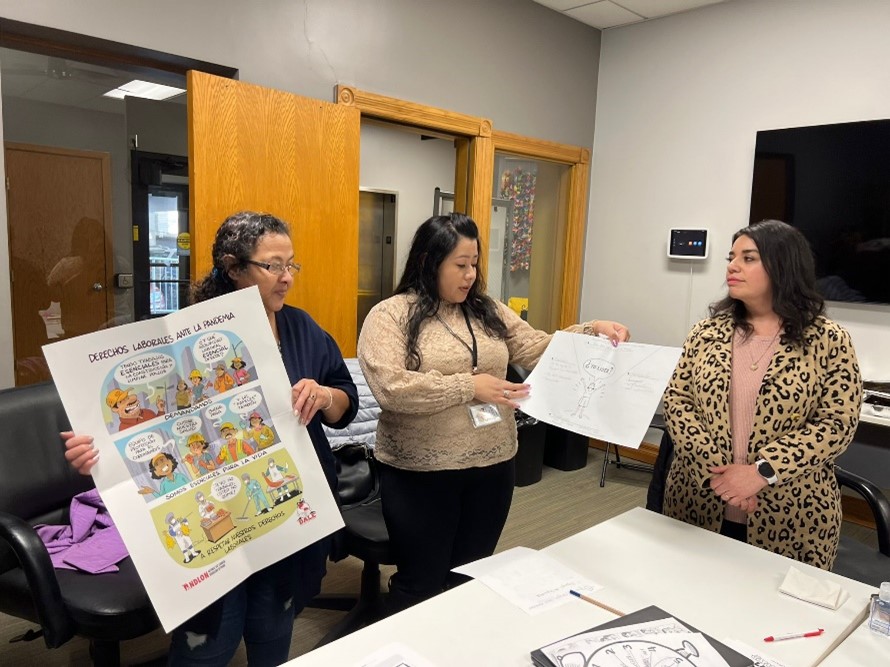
(149, 91)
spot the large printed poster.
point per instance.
(203, 466)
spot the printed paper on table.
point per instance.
(203, 466)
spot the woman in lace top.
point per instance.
(435, 356)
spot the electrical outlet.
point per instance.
(124, 280)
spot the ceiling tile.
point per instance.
(603, 14)
(653, 8)
(68, 92)
(562, 5)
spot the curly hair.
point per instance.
(236, 237)
(433, 242)
(788, 261)
(173, 465)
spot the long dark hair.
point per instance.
(788, 261)
(236, 237)
(433, 242)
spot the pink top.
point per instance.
(750, 359)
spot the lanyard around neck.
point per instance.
(474, 351)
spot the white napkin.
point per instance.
(822, 592)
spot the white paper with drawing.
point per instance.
(530, 579)
(586, 385)
(203, 466)
(661, 643)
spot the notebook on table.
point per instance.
(630, 643)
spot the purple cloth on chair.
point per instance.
(91, 543)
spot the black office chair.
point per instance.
(855, 559)
(364, 536)
(37, 486)
(655, 492)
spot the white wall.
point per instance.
(161, 127)
(530, 69)
(400, 162)
(680, 101)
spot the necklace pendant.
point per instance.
(754, 366)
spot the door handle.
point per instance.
(98, 287)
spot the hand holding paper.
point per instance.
(586, 385)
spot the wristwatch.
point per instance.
(766, 471)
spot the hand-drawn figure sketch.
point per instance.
(662, 643)
(641, 653)
(586, 385)
(597, 371)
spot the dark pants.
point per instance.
(737, 531)
(439, 520)
(251, 610)
(260, 609)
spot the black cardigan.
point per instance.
(310, 352)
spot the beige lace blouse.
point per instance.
(425, 422)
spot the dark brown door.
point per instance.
(59, 209)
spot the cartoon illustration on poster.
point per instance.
(203, 465)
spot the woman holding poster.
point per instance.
(253, 249)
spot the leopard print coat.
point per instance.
(806, 414)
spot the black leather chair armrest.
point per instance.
(876, 500)
(41, 576)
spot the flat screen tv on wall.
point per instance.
(833, 183)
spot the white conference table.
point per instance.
(723, 587)
(861, 649)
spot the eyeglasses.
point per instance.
(276, 268)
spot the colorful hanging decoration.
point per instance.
(518, 185)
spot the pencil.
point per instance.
(599, 604)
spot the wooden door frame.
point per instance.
(107, 222)
(477, 142)
(474, 170)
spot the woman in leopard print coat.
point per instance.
(765, 397)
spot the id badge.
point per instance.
(484, 414)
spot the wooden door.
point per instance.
(253, 148)
(59, 216)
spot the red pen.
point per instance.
(794, 635)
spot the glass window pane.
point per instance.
(163, 258)
(535, 195)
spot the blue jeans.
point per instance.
(260, 609)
